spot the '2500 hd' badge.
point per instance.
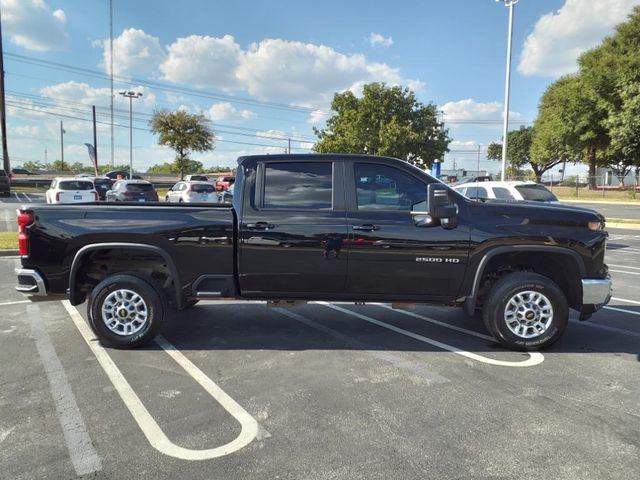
(437, 260)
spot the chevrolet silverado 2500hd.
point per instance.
(321, 227)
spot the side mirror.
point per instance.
(440, 205)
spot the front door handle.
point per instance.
(260, 226)
(367, 227)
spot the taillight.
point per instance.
(24, 220)
(127, 193)
(58, 196)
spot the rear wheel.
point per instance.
(126, 311)
(526, 311)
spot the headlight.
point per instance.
(596, 225)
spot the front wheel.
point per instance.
(526, 311)
(126, 311)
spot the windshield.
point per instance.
(75, 185)
(537, 193)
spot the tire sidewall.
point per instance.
(151, 297)
(494, 316)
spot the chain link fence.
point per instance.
(591, 187)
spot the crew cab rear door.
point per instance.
(389, 256)
(292, 229)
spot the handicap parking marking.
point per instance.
(152, 431)
(412, 368)
(535, 358)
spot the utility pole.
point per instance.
(111, 73)
(95, 139)
(289, 150)
(61, 146)
(510, 5)
(3, 115)
(478, 173)
(130, 95)
(45, 157)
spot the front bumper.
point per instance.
(30, 282)
(596, 293)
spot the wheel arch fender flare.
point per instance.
(76, 298)
(470, 301)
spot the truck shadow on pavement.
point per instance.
(255, 327)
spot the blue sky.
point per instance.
(264, 72)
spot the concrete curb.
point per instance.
(8, 253)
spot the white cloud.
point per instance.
(376, 39)
(79, 92)
(317, 117)
(225, 111)
(203, 61)
(308, 75)
(559, 37)
(33, 25)
(134, 53)
(272, 134)
(470, 111)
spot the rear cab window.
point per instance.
(298, 186)
(381, 187)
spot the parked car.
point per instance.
(21, 171)
(226, 196)
(512, 190)
(322, 229)
(132, 191)
(196, 178)
(191, 192)
(5, 183)
(123, 174)
(223, 183)
(103, 185)
(71, 190)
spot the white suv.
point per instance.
(192, 192)
(71, 190)
(512, 190)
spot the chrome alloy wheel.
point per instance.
(124, 312)
(528, 314)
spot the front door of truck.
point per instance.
(292, 229)
(389, 256)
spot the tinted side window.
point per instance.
(536, 192)
(380, 187)
(503, 193)
(298, 185)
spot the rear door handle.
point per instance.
(260, 226)
(367, 227)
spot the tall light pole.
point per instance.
(62, 132)
(510, 5)
(131, 95)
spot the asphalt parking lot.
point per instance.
(323, 391)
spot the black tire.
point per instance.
(153, 306)
(528, 321)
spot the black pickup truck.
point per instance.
(321, 227)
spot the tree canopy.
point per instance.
(518, 148)
(385, 121)
(184, 133)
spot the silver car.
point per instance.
(192, 192)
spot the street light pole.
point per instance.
(130, 95)
(505, 129)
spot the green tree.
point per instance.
(189, 166)
(624, 129)
(184, 133)
(33, 166)
(518, 150)
(385, 121)
(569, 127)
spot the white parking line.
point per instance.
(535, 358)
(17, 302)
(17, 197)
(622, 271)
(9, 222)
(28, 198)
(83, 456)
(621, 310)
(623, 266)
(143, 418)
(607, 328)
(617, 299)
(407, 365)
